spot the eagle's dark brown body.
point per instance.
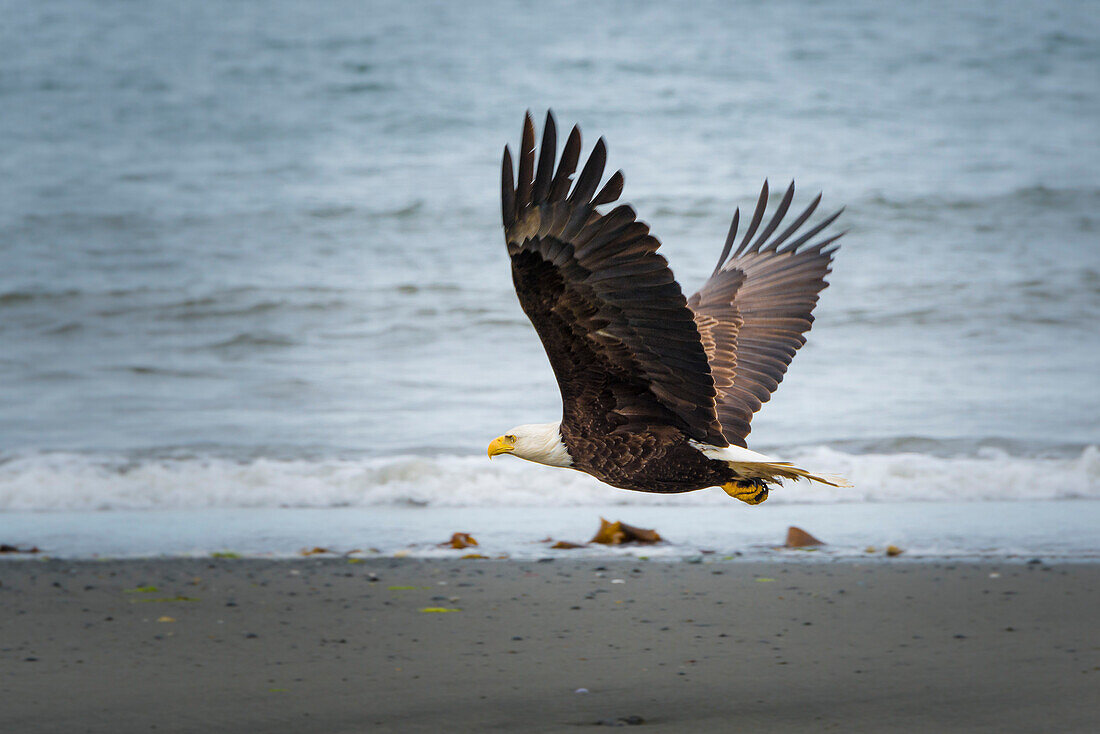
(643, 371)
(646, 461)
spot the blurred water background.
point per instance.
(252, 252)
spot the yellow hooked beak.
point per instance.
(502, 445)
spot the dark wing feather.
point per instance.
(612, 318)
(754, 310)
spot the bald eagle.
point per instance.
(657, 389)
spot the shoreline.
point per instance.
(988, 531)
(342, 645)
(776, 556)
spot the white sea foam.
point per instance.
(60, 481)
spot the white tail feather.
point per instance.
(753, 465)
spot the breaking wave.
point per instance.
(69, 481)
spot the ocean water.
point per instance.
(252, 255)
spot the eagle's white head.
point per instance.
(539, 442)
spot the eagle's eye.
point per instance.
(510, 439)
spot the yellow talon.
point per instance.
(751, 494)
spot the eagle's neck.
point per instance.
(542, 443)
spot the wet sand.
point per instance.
(337, 646)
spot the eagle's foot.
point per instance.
(749, 491)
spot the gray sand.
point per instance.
(332, 646)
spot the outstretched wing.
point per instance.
(614, 322)
(754, 310)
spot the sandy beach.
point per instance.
(480, 645)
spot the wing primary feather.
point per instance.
(507, 190)
(576, 222)
(808, 235)
(610, 225)
(545, 172)
(611, 190)
(782, 237)
(780, 212)
(757, 215)
(730, 237)
(830, 240)
(590, 174)
(567, 166)
(526, 163)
